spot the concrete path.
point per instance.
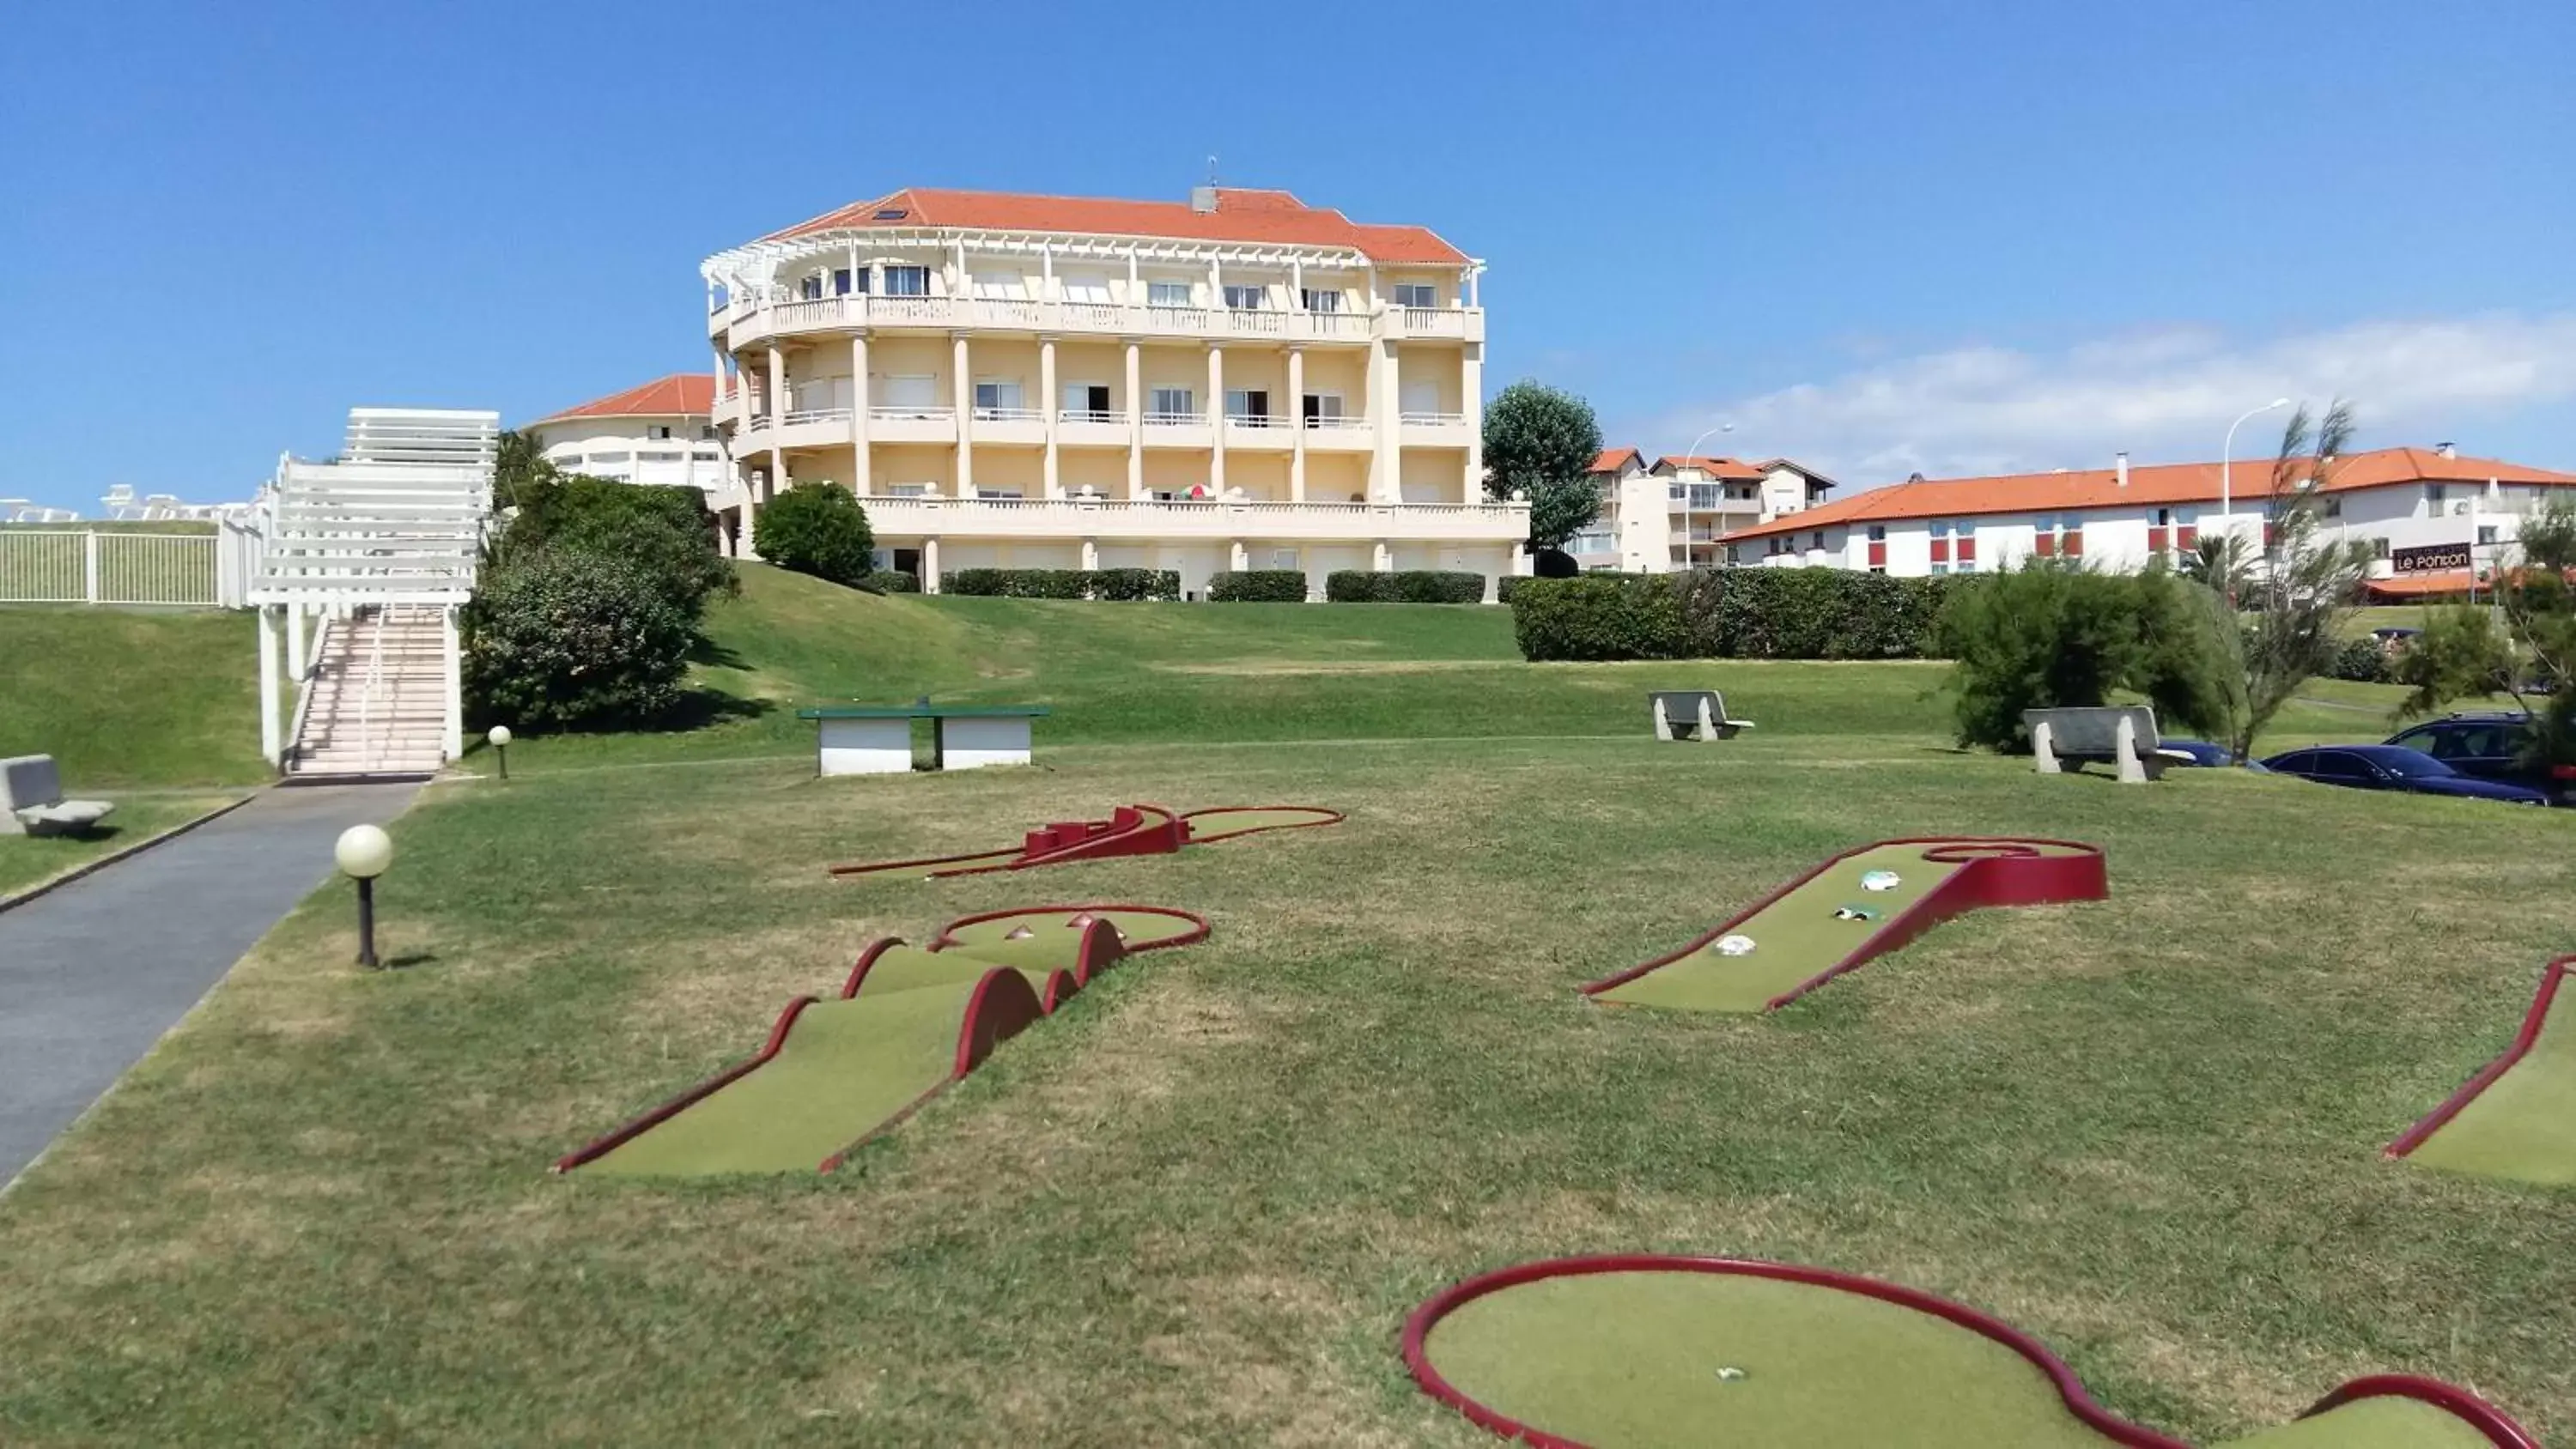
(94, 972)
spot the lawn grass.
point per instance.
(1197, 1206)
(27, 861)
(128, 697)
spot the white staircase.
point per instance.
(381, 547)
(376, 700)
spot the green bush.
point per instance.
(666, 531)
(1599, 617)
(1259, 586)
(1763, 613)
(2048, 635)
(2362, 661)
(1107, 584)
(1405, 586)
(818, 529)
(888, 581)
(566, 638)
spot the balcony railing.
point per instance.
(1006, 311)
(1178, 319)
(925, 413)
(816, 415)
(1256, 420)
(1175, 420)
(1430, 420)
(1259, 320)
(1346, 326)
(782, 313)
(1435, 321)
(1009, 415)
(1089, 415)
(1344, 423)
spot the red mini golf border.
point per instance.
(1330, 817)
(2487, 1076)
(1998, 870)
(994, 1014)
(1158, 830)
(2499, 1429)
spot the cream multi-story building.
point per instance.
(1238, 381)
(661, 434)
(1671, 514)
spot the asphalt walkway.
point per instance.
(92, 973)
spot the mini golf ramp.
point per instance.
(1643, 1352)
(908, 1021)
(1129, 830)
(2516, 1118)
(1855, 907)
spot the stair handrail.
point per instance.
(304, 691)
(367, 698)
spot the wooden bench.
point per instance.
(876, 740)
(2122, 735)
(32, 803)
(1693, 714)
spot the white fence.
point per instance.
(88, 566)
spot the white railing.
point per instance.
(1089, 415)
(817, 415)
(779, 314)
(1175, 420)
(1349, 326)
(1009, 415)
(1257, 319)
(1255, 420)
(1178, 319)
(88, 566)
(1344, 423)
(926, 413)
(1006, 311)
(1430, 420)
(1434, 321)
(1095, 316)
(909, 309)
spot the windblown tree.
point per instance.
(2305, 585)
(2221, 561)
(2462, 654)
(1541, 441)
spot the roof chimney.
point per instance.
(2447, 450)
(2124, 470)
(1202, 199)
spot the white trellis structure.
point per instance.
(380, 549)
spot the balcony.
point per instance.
(1340, 435)
(1264, 433)
(912, 425)
(1178, 430)
(1090, 428)
(1219, 519)
(1432, 430)
(1009, 425)
(750, 320)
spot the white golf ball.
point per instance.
(1879, 880)
(1735, 945)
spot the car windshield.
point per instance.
(2410, 765)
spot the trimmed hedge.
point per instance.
(1259, 586)
(887, 581)
(1744, 613)
(1405, 586)
(1123, 585)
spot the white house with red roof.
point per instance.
(1669, 514)
(2431, 515)
(661, 434)
(1236, 381)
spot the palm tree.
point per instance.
(2307, 585)
(2221, 562)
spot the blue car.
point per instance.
(2395, 767)
(2202, 752)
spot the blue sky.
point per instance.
(1880, 237)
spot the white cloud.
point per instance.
(2165, 396)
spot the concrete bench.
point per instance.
(32, 803)
(1693, 714)
(2122, 735)
(877, 740)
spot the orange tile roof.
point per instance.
(1241, 215)
(1733, 468)
(680, 394)
(2149, 485)
(1612, 460)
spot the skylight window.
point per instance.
(891, 213)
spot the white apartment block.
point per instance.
(1672, 514)
(661, 434)
(1239, 381)
(2435, 519)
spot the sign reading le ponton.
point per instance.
(2429, 557)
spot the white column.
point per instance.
(1471, 393)
(1296, 284)
(777, 399)
(719, 363)
(1135, 411)
(452, 658)
(1090, 554)
(1046, 272)
(1237, 557)
(1386, 479)
(271, 729)
(1297, 421)
(930, 565)
(865, 482)
(1382, 558)
(1048, 410)
(964, 393)
(1135, 291)
(1216, 284)
(295, 655)
(1216, 418)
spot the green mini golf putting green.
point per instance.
(2517, 1118)
(908, 1021)
(1646, 1352)
(1858, 905)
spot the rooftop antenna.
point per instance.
(1203, 198)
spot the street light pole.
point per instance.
(2227, 500)
(1687, 454)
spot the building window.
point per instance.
(1705, 495)
(1878, 533)
(840, 281)
(907, 281)
(1416, 294)
(707, 433)
(1817, 539)
(1878, 568)
(1315, 300)
(658, 432)
(1087, 402)
(1090, 287)
(2486, 535)
(2436, 492)
(2334, 508)
(810, 288)
(1167, 294)
(910, 390)
(995, 396)
(1001, 286)
(1940, 569)
(1321, 408)
(1248, 404)
(983, 492)
(1967, 565)
(1247, 299)
(1172, 402)
(1283, 558)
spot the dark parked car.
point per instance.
(2490, 745)
(2395, 767)
(2202, 752)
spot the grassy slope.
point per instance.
(1165, 674)
(126, 697)
(26, 861)
(1197, 1206)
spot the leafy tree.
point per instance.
(522, 464)
(570, 638)
(2537, 596)
(668, 530)
(2221, 562)
(1541, 441)
(2306, 585)
(817, 528)
(2459, 653)
(2053, 634)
